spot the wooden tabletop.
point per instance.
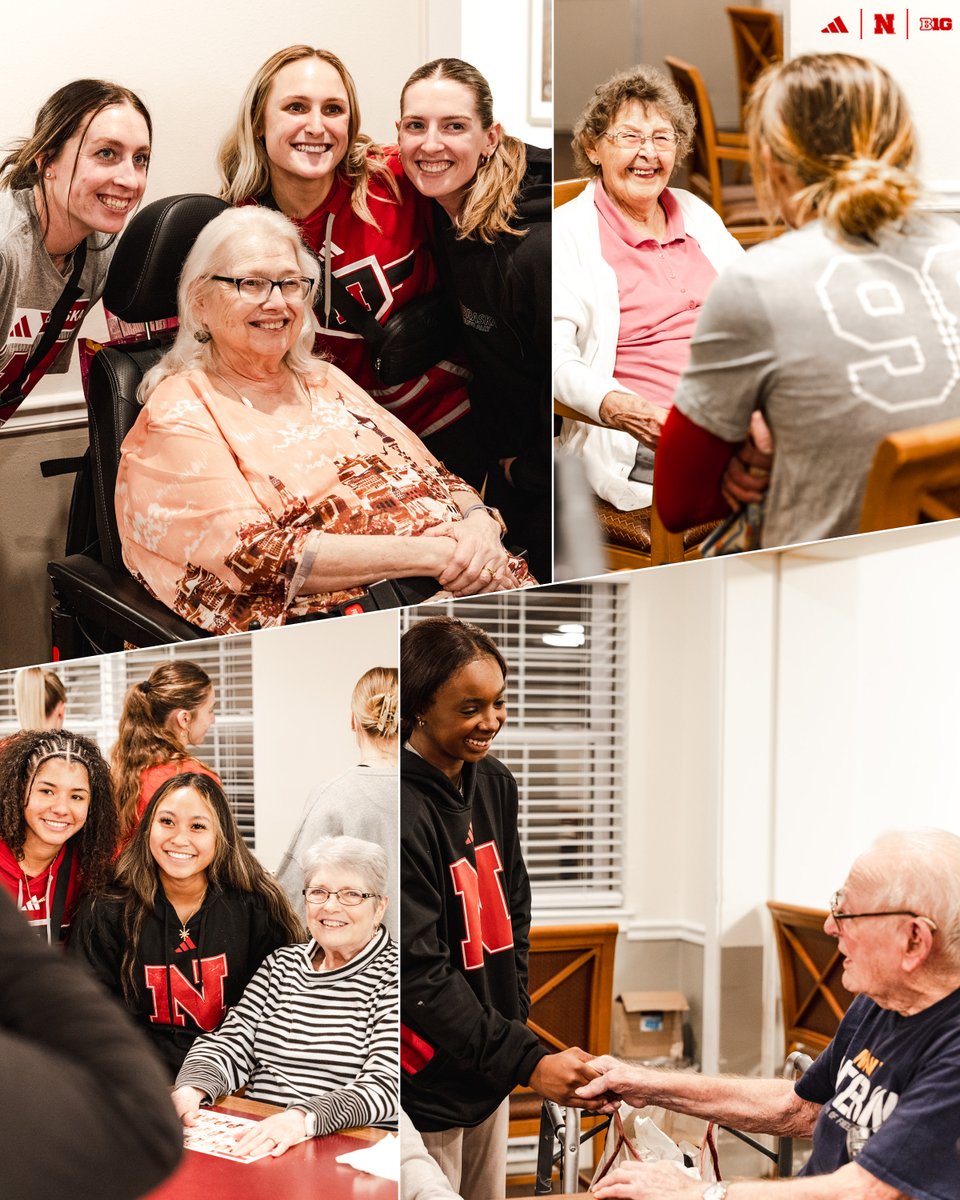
(306, 1171)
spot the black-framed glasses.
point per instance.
(346, 896)
(633, 139)
(836, 911)
(257, 289)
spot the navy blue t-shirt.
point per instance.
(890, 1090)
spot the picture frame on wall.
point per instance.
(541, 62)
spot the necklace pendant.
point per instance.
(184, 932)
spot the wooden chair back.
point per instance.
(811, 967)
(571, 1000)
(915, 478)
(736, 203)
(566, 189)
(757, 42)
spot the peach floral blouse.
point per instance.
(219, 506)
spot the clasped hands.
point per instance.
(747, 475)
(479, 562)
(278, 1132)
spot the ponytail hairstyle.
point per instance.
(20, 760)
(245, 167)
(375, 704)
(143, 739)
(37, 693)
(430, 652)
(491, 200)
(137, 882)
(68, 111)
(842, 126)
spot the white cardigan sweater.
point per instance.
(586, 327)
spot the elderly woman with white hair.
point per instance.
(316, 1029)
(259, 483)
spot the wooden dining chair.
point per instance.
(915, 478)
(636, 539)
(811, 968)
(757, 42)
(736, 203)
(571, 1001)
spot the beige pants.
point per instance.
(474, 1160)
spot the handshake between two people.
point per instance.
(577, 1079)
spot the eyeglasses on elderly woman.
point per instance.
(836, 911)
(257, 290)
(347, 896)
(632, 139)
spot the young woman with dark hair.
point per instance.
(189, 919)
(65, 193)
(58, 825)
(465, 900)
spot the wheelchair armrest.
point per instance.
(116, 601)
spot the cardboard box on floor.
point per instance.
(649, 1025)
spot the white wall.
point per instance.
(785, 708)
(302, 679)
(921, 60)
(495, 38)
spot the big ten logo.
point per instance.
(941, 23)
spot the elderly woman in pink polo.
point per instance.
(633, 261)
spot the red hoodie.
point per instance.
(34, 894)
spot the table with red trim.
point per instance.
(306, 1171)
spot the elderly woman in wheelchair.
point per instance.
(259, 484)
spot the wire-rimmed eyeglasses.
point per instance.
(836, 911)
(632, 139)
(257, 289)
(346, 896)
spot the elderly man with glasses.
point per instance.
(882, 1102)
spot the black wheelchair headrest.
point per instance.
(143, 276)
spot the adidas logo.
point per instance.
(835, 26)
(185, 946)
(469, 841)
(33, 904)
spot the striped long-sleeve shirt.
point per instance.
(321, 1040)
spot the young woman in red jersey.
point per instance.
(297, 147)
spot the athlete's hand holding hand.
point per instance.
(187, 1101)
(560, 1077)
(613, 1081)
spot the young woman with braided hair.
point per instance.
(58, 825)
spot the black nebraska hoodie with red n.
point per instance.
(465, 921)
(184, 985)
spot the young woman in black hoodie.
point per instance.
(492, 207)
(465, 913)
(187, 922)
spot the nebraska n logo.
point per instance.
(486, 916)
(835, 26)
(202, 1000)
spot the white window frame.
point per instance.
(564, 704)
